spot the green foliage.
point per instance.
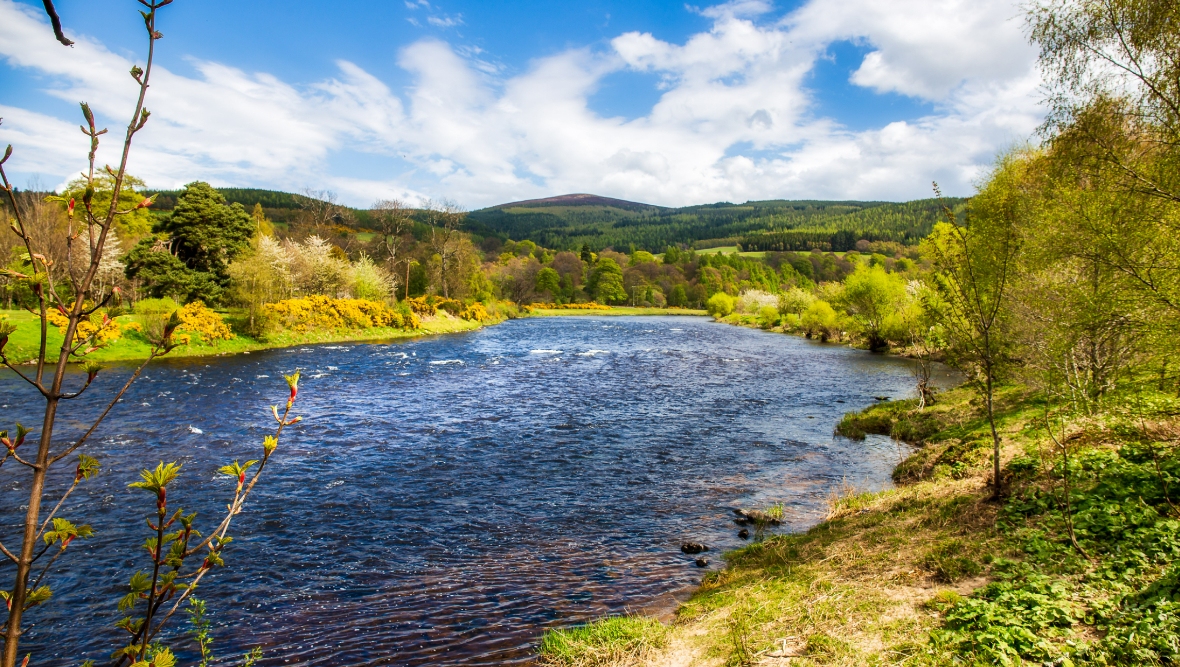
(768, 317)
(191, 259)
(201, 626)
(368, 281)
(719, 305)
(548, 280)
(761, 225)
(166, 275)
(160, 306)
(1011, 619)
(871, 297)
(135, 223)
(606, 282)
(820, 321)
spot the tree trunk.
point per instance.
(991, 420)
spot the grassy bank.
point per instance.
(613, 310)
(23, 343)
(934, 572)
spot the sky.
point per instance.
(483, 103)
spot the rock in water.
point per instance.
(693, 548)
(702, 562)
(744, 534)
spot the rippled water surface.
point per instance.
(447, 498)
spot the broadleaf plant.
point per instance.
(180, 556)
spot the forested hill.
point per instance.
(571, 220)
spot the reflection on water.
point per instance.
(447, 498)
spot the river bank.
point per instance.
(23, 343)
(934, 571)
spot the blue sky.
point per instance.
(483, 103)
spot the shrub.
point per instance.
(768, 317)
(719, 305)
(164, 306)
(421, 306)
(321, 312)
(196, 318)
(100, 326)
(820, 321)
(476, 313)
(753, 301)
(795, 301)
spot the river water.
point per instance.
(447, 498)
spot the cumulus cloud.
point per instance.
(735, 119)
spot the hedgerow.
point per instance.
(321, 312)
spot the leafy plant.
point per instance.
(75, 299)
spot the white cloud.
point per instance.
(445, 21)
(734, 121)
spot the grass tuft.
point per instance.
(608, 641)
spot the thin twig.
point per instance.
(102, 416)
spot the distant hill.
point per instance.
(568, 221)
(564, 201)
(571, 220)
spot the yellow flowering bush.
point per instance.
(422, 305)
(197, 319)
(581, 306)
(107, 330)
(431, 304)
(564, 306)
(321, 312)
(476, 313)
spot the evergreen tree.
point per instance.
(207, 233)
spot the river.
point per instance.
(447, 498)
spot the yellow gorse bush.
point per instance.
(430, 305)
(107, 332)
(321, 312)
(564, 306)
(476, 313)
(197, 319)
(422, 305)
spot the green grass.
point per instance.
(729, 250)
(614, 310)
(603, 642)
(24, 342)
